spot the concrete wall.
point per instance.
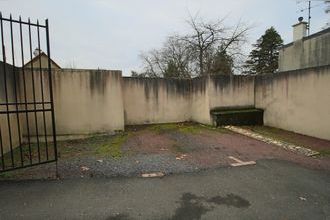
(88, 101)
(200, 101)
(99, 101)
(13, 119)
(151, 100)
(297, 101)
(219, 91)
(148, 100)
(229, 91)
(312, 51)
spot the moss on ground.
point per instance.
(176, 148)
(275, 133)
(324, 153)
(104, 145)
(7, 175)
(114, 147)
(186, 128)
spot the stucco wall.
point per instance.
(200, 101)
(148, 100)
(297, 101)
(4, 126)
(155, 100)
(88, 101)
(85, 101)
(99, 101)
(229, 91)
(308, 52)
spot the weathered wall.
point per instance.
(97, 101)
(308, 52)
(148, 100)
(151, 100)
(13, 119)
(86, 101)
(229, 91)
(298, 100)
(200, 101)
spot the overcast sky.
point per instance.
(110, 34)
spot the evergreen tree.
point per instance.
(264, 57)
(222, 63)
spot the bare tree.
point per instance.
(172, 60)
(209, 48)
(208, 37)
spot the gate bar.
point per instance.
(51, 92)
(6, 90)
(23, 22)
(23, 103)
(1, 145)
(34, 91)
(15, 89)
(24, 86)
(42, 92)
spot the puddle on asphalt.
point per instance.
(193, 207)
(119, 217)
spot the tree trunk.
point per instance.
(201, 63)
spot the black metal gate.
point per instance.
(27, 119)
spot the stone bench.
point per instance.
(242, 115)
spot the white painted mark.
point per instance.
(241, 163)
(153, 175)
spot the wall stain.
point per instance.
(198, 85)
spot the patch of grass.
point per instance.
(114, 148)
(162, 128)
(277, 133)
(324, 153)
(25, 152)
(186, 128)
(6, 175)
(179, 149)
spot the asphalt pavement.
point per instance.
(272, 189)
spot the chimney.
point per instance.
(300, 30)
(36, 52)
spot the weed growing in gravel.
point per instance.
(186, 128)
(114, 148)
(179, 149)
(324, 153)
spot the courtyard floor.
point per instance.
(171, 149)
(100, 177)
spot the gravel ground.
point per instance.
(170, 149)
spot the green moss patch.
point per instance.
(176, 148)
(186, 128)
(114, 147)
(325, 153)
